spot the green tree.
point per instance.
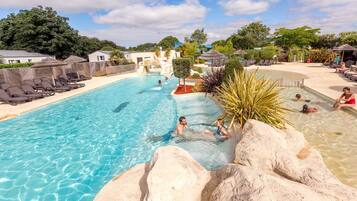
(325, 41)
(43, 30)
(199, 36)
(145, 47)
(301, 37)
(348, 38)
(226, 49)
(219, 42)
(252, 35)
(40, 30)
(168, 42)
(231, 66)
(189, 49)
(182, 69)
(116, 56)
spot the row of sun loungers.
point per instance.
(351, 73)
(37, 88)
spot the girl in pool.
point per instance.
(306, 109)
(221, 133)
(347, 99)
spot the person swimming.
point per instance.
(306, 109)
(298, 97)
(181, 127)
(221, 132)
(160, 83)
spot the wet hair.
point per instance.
(305, 108)
(159, 81)
(298, 96)
(182, 118)
(346, 88)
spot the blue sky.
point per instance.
(131, 22)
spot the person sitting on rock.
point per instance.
(347, 99)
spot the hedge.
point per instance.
(16, 65)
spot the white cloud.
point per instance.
(245, 7)
(72, 5)
(329, 15)
(160, 16)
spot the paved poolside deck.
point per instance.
(8, 111)
(320, 78)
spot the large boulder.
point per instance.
(276, 152)
(129, 186)
(175, 176)
(172, 175)
(242, 183)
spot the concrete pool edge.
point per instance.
(9, 111)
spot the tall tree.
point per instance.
(325, 41)
(40, 30)
(226, 49)
(199, 36)
(168, 42)
(145, 47)
(299, 37)
(43, 30)
(348, 38)
(189, 49)
(252, 35)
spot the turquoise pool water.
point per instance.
(69, 150)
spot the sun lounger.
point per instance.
(49, 87)
(6, 98)
(17, 92)
(28, 89)
(65, 82)
(5, 86)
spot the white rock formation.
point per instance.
(172, 175)
(270, 165)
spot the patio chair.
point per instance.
(49, 87)
(64, 81)
(5, 86)
(28, 89)
(6, 98)
(17, 92)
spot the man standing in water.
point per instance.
(181, 126)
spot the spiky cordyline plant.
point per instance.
(245, 96)
(213, 80)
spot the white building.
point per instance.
(99, 56)
(136, 57)
(20, 56)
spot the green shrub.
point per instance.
(197, 69)
(195, 76)
(16, 65)
(232, 65)
(182, 68)
(245, 96)
(267, 54)
(321, 55)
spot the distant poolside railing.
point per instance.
(290, 83)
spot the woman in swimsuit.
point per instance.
(347, 99)
(221, 133)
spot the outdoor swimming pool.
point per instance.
(333, 133)
(69, 150)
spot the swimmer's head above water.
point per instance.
(183, 121)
